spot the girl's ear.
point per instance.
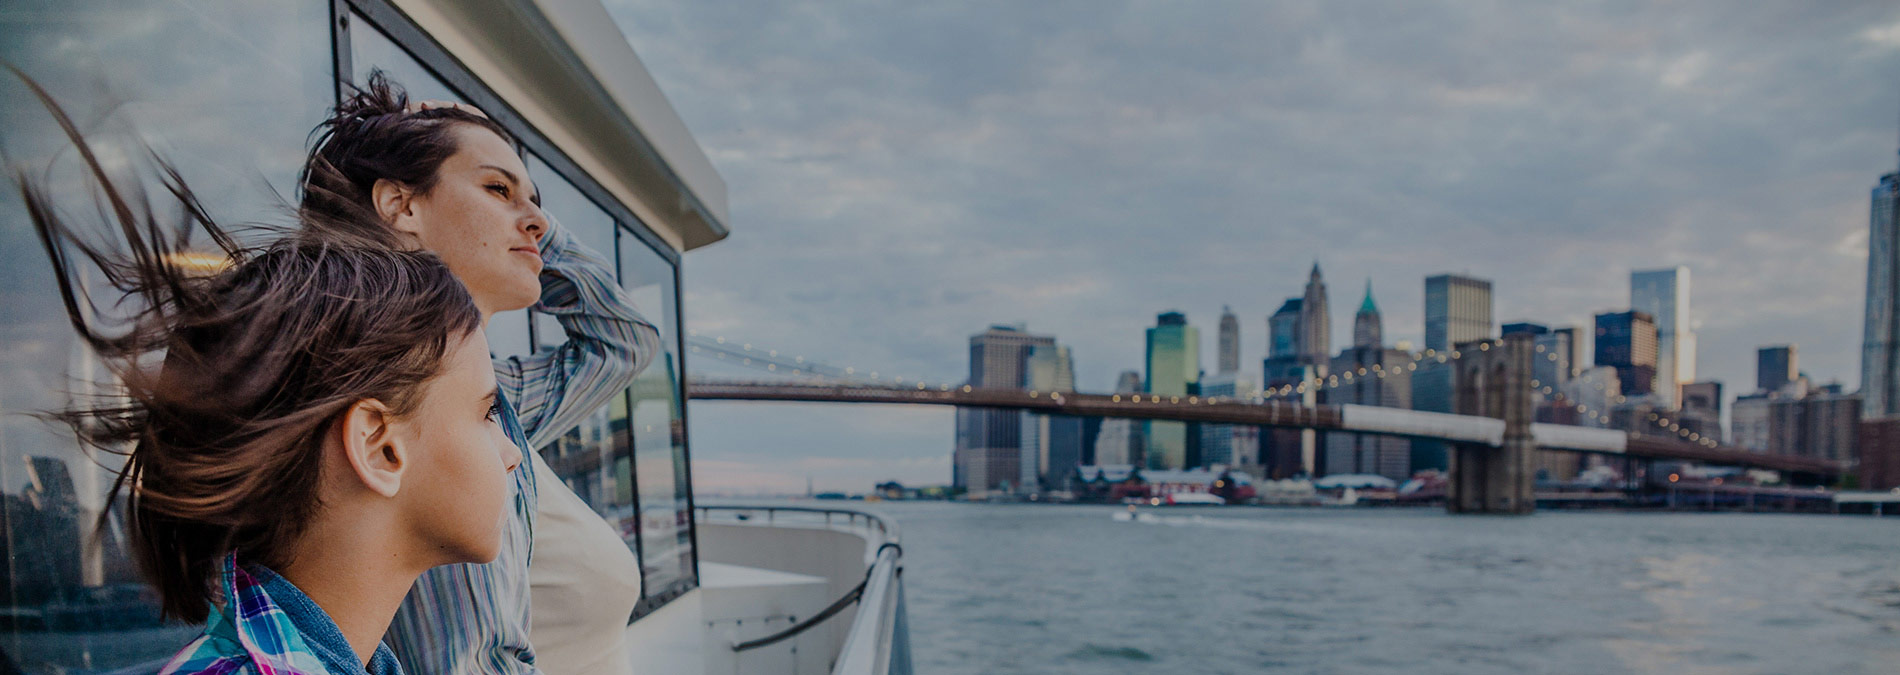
(372, 449)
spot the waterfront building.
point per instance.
(1775, 367)
(1174, 369)
(989, 444)
(1457, 310)
(1879, 454)
(1368, 329)
(1627, 341)
(1285, 453)
(1663, 294)
(1748, 421)
(1229, 444)
(1316, 341)
(1597, 389)
(1701, 407)
(1824, 424)
(1120, 440)
(1369, 376)
(1880, 341)
(1229, 358)
(1051, 444)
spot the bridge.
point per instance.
(1493, 437)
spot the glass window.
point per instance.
(371, 50)
(228, 92)
(658, 464)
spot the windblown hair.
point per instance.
(373, 136)
(234, 364)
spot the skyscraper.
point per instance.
(1229, 341)
(1368, 329)
(988, 452)
(1174, 368)
(1120, 440)
(1880, 343)
(1664, 295)
(1457, 309)
(1229, 444)
(1627, 341)
(1775, 367)
(1316, 342)
(1051, 444)
(1283, 331)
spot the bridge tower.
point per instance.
(1493, 379)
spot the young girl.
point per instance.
(311, 427)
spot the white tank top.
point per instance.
(585, 582)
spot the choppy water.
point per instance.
(1068, 589)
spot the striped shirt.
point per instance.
(474, 618)
(263, 625)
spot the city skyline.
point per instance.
(916, 190)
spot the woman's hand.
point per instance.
(419, 106)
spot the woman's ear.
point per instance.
(395, 203)
(372, 449)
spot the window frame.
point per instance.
(403, 31)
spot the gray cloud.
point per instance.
(902, 176)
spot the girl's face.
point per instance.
(455, 495)
(483, 216)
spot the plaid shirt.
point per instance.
(473, 619)
(250, 634)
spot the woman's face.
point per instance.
(455, 495)
(483, 216)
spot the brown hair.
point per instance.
(372, 135)
(233, 368)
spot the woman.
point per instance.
(444, 178)
(311, 427)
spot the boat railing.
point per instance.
(878, 641)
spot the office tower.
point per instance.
(1283, 331)
(1369, 376)
(1457, 310)
(1229, 444)
(1824, 424)
(1229, 341)
(1569, 352)
(1880, 343)
(1120, 440)
(1051, 444)
(1367, 328)
(1174, 368)
(1627, 342)
(988, 453)
(1748, 422)
(1553, 351)
(1664, 295)
(1775, 367)
(1596, 389)
(1701, 408)
(1316, 343)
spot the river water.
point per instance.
(1069, 589)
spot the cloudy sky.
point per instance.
(904, 174)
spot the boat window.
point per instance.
(663, 517)
(586, 456)
(227, 91)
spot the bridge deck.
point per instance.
(1271, 413)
